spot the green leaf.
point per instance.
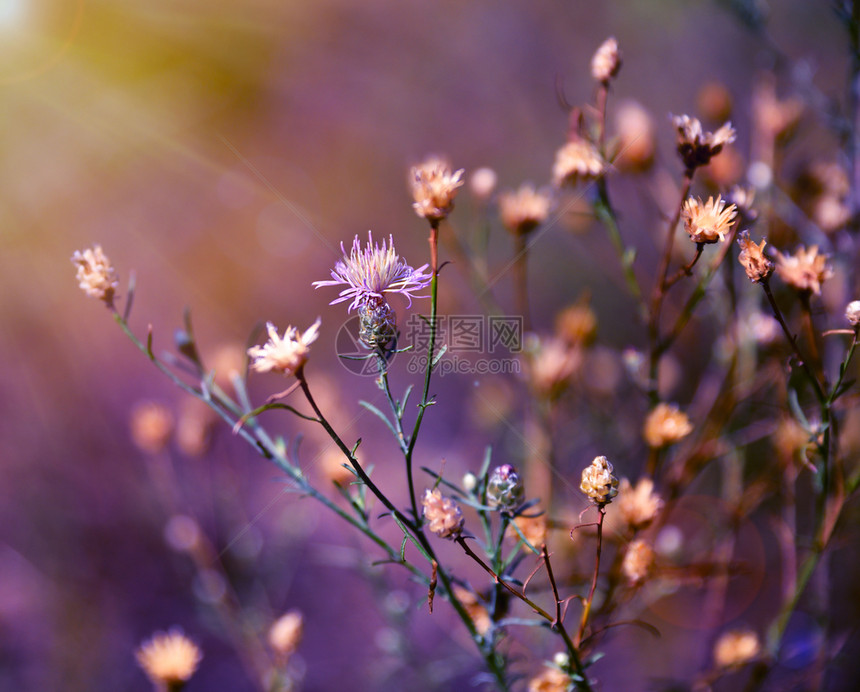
(379, 414)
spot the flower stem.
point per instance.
(587, 608)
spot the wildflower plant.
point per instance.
(504, 519)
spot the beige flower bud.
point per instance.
(434, 187)
(151, 427)
(638, 561)
(577, 161)
(606, 61)
(598, 481)
(852, 313)
(736, 648)
(524, 210)
(170, 659)
(475, 608)
(665, 425)
(96, 277)
(708, 222)
(550, 680)
(805, 270)
(285, 634)
(482, 183)
(752, 258)
(640, 505)
(444, 517)
(636, 137)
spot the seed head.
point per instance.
(852, 313)
(285, 634)
(151, 427)
(96, 277)
(697, 147)
(708, 222)
(598, 481)
(284, 355)
(434, 187)
(636, 137)
(665, 425)
(482, 183)
(736, 648)
(640, 505)
(444, 516)
(476, 609)
(550, 680)
(606, 61)
(169, 659)
(524, 210)
(638, 561)
(752, 258)
(577, 161)
(805, 270)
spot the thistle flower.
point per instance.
(806, 270)
(284, 355)
(598, 481)
(852, 313)
(577, 161)
(96, 277)
(504, 488)
(444, 516)
(697, 147)
(434, 187)
(752, 258)
(524, 210)
(638, 561)
(665, 425)
(640, 505)
(151, 427)
(374, 271)
(708, 222)
(606, 61)
(736, 648)
(285, 634)
(377, 323)
(169, 660)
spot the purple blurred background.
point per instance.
(222, 151)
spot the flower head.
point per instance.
(806, 270)
(504, 487)
(482, 183)
(606, 61)
(476, 609)
(735, 648)
(638, 506)
(708, 222)
(852, 313)
(169, 659)
(638, 561)
(371, 272)
(598, 481)
(550, 680)
(636, 137)
(524, 210)
(284, 355)
(550, 363)
(286, 633)
(665, 425)
(151, 427)
(577, 161)
(96, 277)
(697, 147)
(434, 187)
(755, 263)
(444, 516)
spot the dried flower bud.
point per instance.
(714, 101)
(805, 270)
(736, 648)
(151, 427)
(598, 481)
(533, 528)
(697, 147)
(169, 660)
(550, 680)
(577, 323)
(636, 137)
(640, 505)
(434, 187)
(284, 355)
(482, 183)
(377, 323)
(475, 608)
(285, 634)
(852, 313)
(708, 222)
(743, 196)
(665, 425)
(577, 161)
(444, 517)
(638, 561)
(524, 210)
(606, 61)
(96, 277)
(550, 363)
(752, 258)
(505, 488)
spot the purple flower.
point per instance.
(373, 271)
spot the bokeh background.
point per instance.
(222, 151)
